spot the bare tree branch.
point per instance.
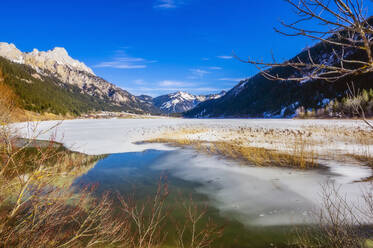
(340, 25)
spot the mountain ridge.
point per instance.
(55, 68)
(181, 101)
(260, 97)
(57, 63)
(45, 94)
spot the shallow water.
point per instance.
(139, 172)
(257, 206)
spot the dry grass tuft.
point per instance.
(299, 158)
(365, 159)
(283, 147)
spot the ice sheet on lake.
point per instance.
(105, 136)
(260, 196)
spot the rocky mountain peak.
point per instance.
(183, 95)
(60, 56)
(42, 60)
(181, 101)
(10, 51)
(58, 64)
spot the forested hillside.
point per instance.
(86, 91)
(41, 94)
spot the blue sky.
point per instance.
(155, 46)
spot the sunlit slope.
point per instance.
(38, 93)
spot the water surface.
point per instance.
(255, 213)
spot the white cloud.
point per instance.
(119, 65)
(157, 91)
(167, 4)
(232, 79)
(215, 68)
(139, 81)
(199, 73)
(125, 62)
(170, 83)
(224, 57)
(170, 89)
(193, 77)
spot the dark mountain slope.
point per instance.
(261, 97)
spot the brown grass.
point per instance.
(365, 159)
(296, 148)
(257, 156)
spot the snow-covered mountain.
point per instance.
(57, 63)
(179, 102)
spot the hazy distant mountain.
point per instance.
(58, 64)
(179, 102)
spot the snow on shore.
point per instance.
(104, 136)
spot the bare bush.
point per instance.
(147, 219)
(51, 221)
(340, 223)
(193, 233)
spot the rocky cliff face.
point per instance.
(57, 63)
(52, 61)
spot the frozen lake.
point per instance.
(253, 196)
(106, 136)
